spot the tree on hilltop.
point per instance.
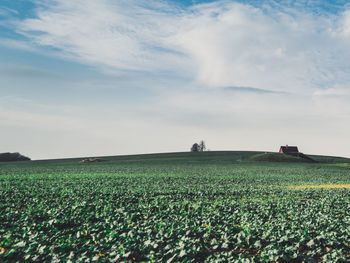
(195, 147)
(198, 147)
(202, 146)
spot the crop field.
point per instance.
(199, 207)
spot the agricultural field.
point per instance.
(181, 207)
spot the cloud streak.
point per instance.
(253, 90)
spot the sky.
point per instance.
(113, 77)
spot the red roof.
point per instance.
(289, 149)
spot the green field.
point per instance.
(180, 207)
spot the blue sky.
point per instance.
(104, 77)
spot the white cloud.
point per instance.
(235, 44)
(123, 35)
(218, 44)
(345, 24)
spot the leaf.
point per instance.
(311, 243)
(182, 253)
(20, 244)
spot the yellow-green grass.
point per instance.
(320, 186)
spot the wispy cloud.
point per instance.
(5, 11)
(120, 35)
(253, 90)
(218, 44)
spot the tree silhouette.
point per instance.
(199, 147)
(202, 146)
(195, 147)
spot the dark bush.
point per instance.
(12, 157)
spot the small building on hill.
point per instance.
(290, 150)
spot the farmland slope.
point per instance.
(176, 207)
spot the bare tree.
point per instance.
(202, 146)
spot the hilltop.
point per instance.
(211, 157)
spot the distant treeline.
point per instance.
(12, 157)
